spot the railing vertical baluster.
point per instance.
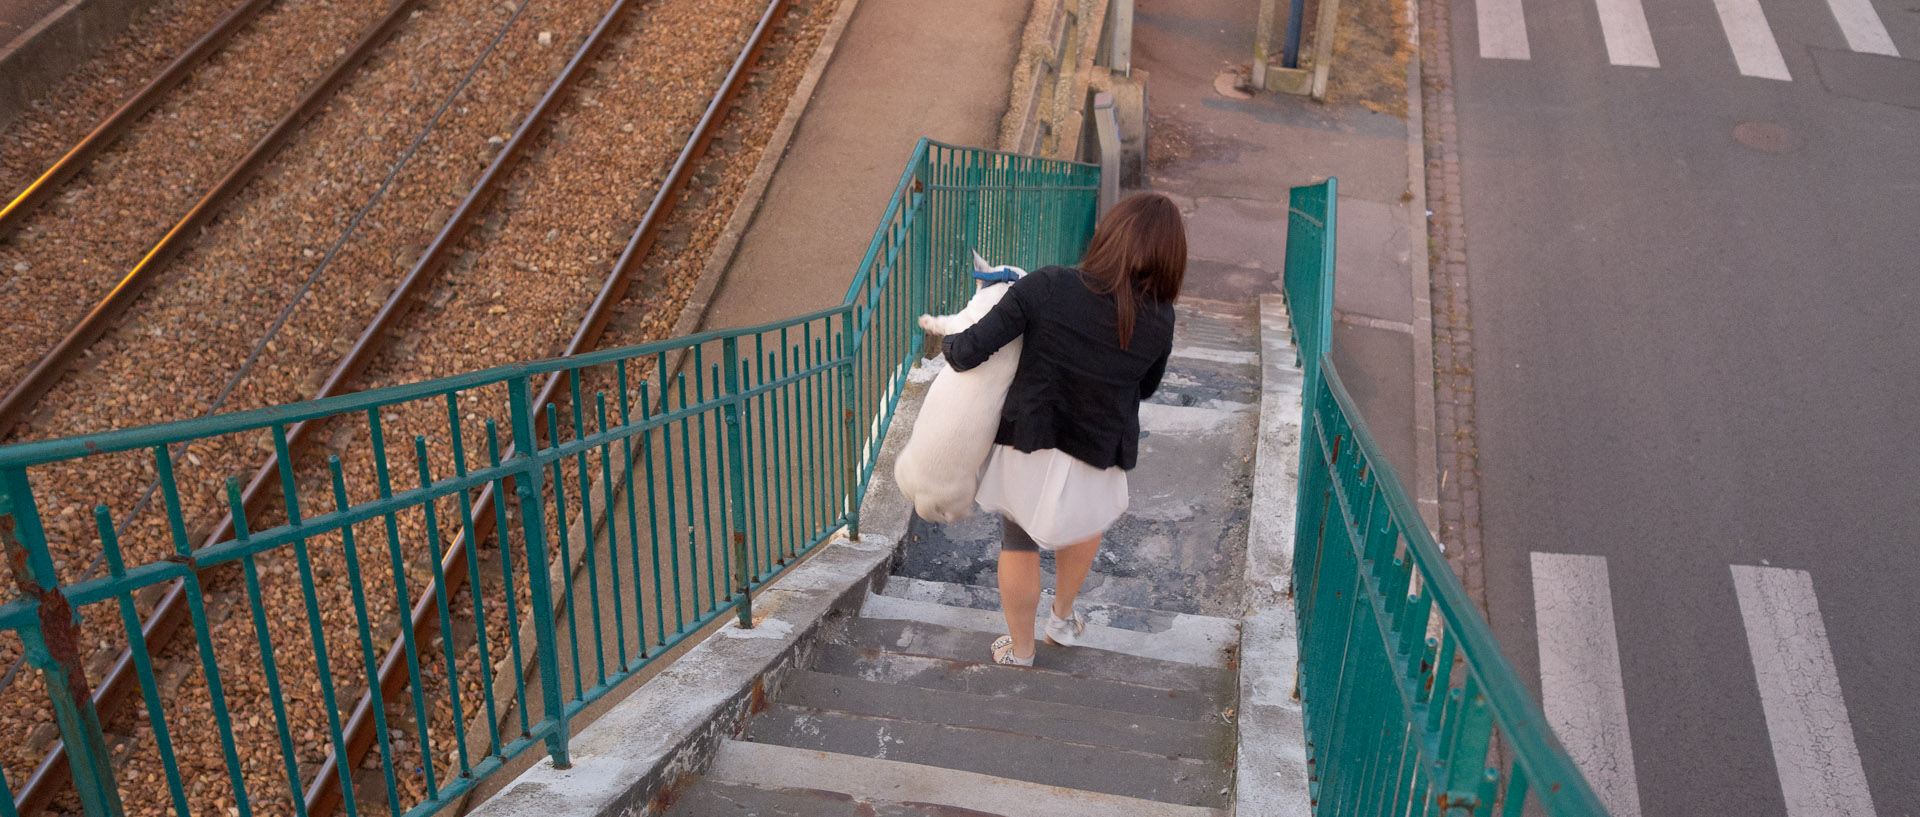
(473, 573)
(533, 523)
(322, 665)
(262, 636)
(402, 603)
(368, 659)
(851, 443)
(653, 522)
(769, 461)
(725, 557)
(435, 555)
(613, 537)
(737, 481)
(633, 515)
(686, 479)
(744, 374)
(143, 664)
(506, 578)
(53, 647)
(587, 538)
(560, 527)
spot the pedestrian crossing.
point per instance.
(1502, 28)
(1583, 693)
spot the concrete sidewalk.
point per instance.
(1229, 162)
(900, 71)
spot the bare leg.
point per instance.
(1020, 595)
(1070, 565)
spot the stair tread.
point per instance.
(930, 672)
(954, 643)
(1187, 639)
(1086, 722)
(1189, 781)
(949, 792)
(720, 798)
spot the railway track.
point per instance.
(42, 376)
(168, 613)
(73, 238)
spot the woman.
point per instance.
(1097, 340)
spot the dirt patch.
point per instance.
(1371, 48)
(1370, 54)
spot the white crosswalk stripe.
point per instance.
(1502, 26)
(1580, 681)
(1503, 30)
(1629, 42)
(1813, 747)
(1754, 49)
(1862, 27)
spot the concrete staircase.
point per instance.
(899, 710)
(902, 713)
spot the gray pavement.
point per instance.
(901, 71)
(1230, 162)
(1692, 298)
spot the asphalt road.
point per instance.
(1696, 295)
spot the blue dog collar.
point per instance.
(997, 275)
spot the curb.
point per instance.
(1272, 774)
(1426, 448)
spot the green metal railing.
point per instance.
(676, 478)
(1309, 271)
(1410, 708)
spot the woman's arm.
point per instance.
(1150, 383)
(1006, 321)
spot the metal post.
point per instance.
(533, 526)
(736, 481)
(851, 443)
(1120, 17)
(54, 648)
(1107, 128)
(1290, 49)
(1323, 45)
(1262, 42)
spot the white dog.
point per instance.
(939, 470)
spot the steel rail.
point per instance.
(51, 367)
(170, 612)
(324, 795)
(82, 153)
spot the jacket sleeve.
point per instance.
(1006, 321)
(1150, 382)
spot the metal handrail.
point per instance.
(1391, 727)
(718, 475)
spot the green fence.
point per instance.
(1310, 240)
(1410, 708)
(669, 481)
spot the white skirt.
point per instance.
(1058, 499)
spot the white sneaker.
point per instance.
(1064, 632)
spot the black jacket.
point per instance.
(1076, 389)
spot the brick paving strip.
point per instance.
(1459, 454)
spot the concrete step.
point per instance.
(929, 672)
(719, 798)
(958, 644)
(1188, 639)
(1169, 779)
(894, 788)
(1058, 721)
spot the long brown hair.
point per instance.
(1138, 251)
